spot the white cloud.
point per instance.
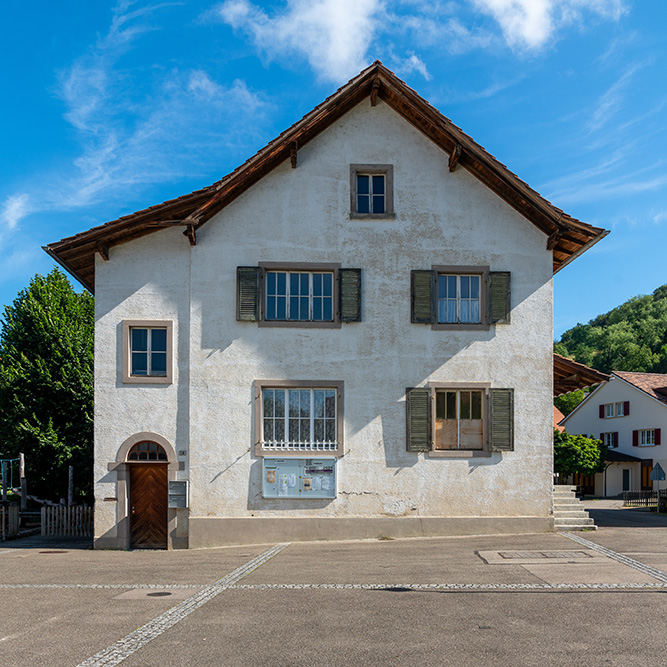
(411, 64)
(13, 210)
(532, 24)
(333, 35)
(610, 102)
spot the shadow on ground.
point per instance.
(630, 518)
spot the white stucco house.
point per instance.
(348, 336)
(628, 413)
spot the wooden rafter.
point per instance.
(292, 152)
(455, 157)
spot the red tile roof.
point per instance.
(653, 384)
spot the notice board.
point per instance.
(299, 478)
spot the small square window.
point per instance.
(147, 351)
(459, 299)
(371, 191)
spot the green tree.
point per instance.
(568, 402)
(577, 453)
(46, 385)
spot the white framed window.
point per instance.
(610, 439)
(147, 351)
(608, 410)
(459, 299)
(647, 437)
(619, 410)
(299, 296)
(297, 417)
(459, 419)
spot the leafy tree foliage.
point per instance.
(568, 402)
(46, 385)
(577, 453)
(631, 337)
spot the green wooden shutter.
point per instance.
(247, 293)
(418, 415)
(422, 290)
(502, 420)
(349, 295)
(499, 297)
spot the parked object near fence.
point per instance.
(9, 520)
(67, 521)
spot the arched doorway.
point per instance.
(147, 463)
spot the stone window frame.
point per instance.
(387, 170)
(127, 376)
(260, 385)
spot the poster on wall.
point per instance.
(299, 478)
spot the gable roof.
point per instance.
(567, 236)
(653, 384)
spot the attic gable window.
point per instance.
(371, 191)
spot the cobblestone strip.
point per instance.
(626, 560)
(123, 586)
(131, 643)
(451, 587)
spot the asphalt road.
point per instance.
(540, 599)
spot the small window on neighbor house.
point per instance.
(610, 439)
(647, 437)
(608, 410)
(619, 409)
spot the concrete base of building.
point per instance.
(219, 531)
(106, 542)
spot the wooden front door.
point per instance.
(148, 505)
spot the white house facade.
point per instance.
(629, 413)
(351, 338)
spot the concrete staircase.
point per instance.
(568, 512)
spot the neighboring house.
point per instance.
(353, 339)
(558, 417)
(628, 413)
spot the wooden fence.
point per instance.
(67, 521)
(9, 520)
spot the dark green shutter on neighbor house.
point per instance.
(247, 293)
(418, 402)
(499, 297)
(349, 295)
(502, 420)
(422, 309)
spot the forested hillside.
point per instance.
(631, 337)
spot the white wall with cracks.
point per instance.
(302, 214)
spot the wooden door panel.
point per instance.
(148, 505)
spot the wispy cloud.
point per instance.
(135, 130)
(532, 24)
(610, 102)
(13, 210)
(333, 35)
(413, 63)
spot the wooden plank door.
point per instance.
(148, 505)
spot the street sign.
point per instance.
(657, 474)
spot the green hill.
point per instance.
(631, 337)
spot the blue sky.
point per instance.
(112, 107)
